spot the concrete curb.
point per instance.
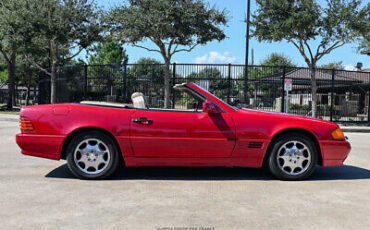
(360, 129)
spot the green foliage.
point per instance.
(184, 22)
(299, 21)
(172, 25)
(64, 22)
(13, 27)
(3, 77)
(218, 84)
(12, 24)
(330, 25)
(143, 71)
(333, 65)
(363, 28)
(106, 53)
(3, 72)
(364, 43)
(148, 68)
(59, 28)
(276, 59)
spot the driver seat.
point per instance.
(138, 100)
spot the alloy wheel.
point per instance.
(293, 157)
(92, 156)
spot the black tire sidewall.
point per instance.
(273, 162)
(112, 165)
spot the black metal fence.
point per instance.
(342, 95)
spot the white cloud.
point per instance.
(349, 67)
(215, 57)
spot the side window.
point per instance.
(188, 100)
(185, 100)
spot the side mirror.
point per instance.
(209, 107)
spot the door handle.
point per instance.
(142, 121)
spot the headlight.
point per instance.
(338, 134)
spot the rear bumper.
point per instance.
(334, 152)
(46, 146)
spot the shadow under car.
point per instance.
(346, 172)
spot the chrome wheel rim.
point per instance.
(92, 156)
(294, 158)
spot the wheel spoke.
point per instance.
(83, 159)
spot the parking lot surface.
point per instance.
(42, 194)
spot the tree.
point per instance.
(12, 29)
(148, 68)
(276, 59)
(27, 75)
(172, 25)
(106, 53)
(60, 27)
(3, 75)
(333, 65)
(364, 30)
(105, 60)
(301, 21)
(364, 44)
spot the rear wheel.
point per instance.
(92, 155)
(292, 157)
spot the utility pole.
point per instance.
(252, 53)
(246, 53)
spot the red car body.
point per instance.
(234, 137)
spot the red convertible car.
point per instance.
(95, 138)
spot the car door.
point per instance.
(161, 133)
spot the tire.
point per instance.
(292, 157)
(92, 155)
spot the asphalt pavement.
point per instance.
(42, 194)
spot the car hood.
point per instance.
(286, 116)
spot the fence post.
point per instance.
(283, 91)
(229, 83)
(246, 84)
(85, 82)
(173, 84)
(124, 81)
(332, 94)
(368, 107)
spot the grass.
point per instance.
(9, 112)
(4, 111)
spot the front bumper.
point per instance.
(334, 152)
(46, 146)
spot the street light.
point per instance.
(247, 54)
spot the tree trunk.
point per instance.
(11, 81)
(167, 99)
(312, 69)
(28, 95)
(53, 83)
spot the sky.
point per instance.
(232, 49)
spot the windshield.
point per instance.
(233, 107)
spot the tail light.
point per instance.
(26, 125)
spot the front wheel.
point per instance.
(92, 155)
(292, 157)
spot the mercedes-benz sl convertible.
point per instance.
(95, 138)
